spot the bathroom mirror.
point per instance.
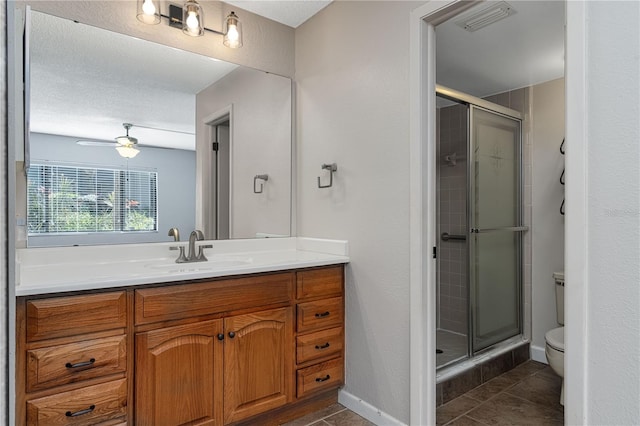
(205, 129)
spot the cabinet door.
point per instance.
(179, 375)
(258, 363)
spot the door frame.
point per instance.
(205, 203)
(422, 214)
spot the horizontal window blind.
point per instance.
(62, 199)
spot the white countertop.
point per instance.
(61, 269)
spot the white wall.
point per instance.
(352, 75)
(176, 186)
(260, 144)
(603, 215)
(547, 228)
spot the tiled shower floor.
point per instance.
(453, 346)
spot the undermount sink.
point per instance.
(213, 263)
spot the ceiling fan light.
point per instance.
(126, 140)
(127, 151)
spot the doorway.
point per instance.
(219, 220)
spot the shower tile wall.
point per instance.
(452, 196)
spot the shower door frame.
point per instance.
(474, 102)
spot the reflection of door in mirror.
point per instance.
(220, 179)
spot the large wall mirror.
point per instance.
(213, 141)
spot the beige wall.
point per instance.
(3, 229)
(352, 74)
(547, 132)
(261, 144)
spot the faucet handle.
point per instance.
(201, 257)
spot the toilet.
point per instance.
(554, 348)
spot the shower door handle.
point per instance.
(506, 228)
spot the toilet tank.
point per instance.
(559, 278)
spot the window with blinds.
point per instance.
(62, 199)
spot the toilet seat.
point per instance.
(555, 338)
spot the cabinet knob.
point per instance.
(232, 334)
(220, 336)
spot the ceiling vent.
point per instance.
(486, 16)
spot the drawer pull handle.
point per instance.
(323, 379)
(80, 364)
(322, 315)
(325, 346)
(81, 412)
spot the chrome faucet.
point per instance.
(196, 235)
(173, 232)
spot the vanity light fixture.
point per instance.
(189, 18)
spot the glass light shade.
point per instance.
(127, 151)
(126, 140)
(192, 19)
(232, 31)
(149, 11)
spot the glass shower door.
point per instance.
(495, 224)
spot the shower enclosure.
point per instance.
(480, 225)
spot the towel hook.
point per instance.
(333, 167)
(264, 177)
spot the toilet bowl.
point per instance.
(554, 347)
(554, 350)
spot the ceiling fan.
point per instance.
(127, 146)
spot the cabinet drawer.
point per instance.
(320, 376)
(68, 316)
(319, 282)
(188, 300)
(319, 344)
(320, 314)
(87, 406)
(57, 365)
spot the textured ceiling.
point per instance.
(289, 12)
(86, 82)
(524, 49)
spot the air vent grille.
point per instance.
(486, 16)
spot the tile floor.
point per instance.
(526, 395)
(333, 415)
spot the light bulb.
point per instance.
(192, 22)
(148, 7)
(232, 34)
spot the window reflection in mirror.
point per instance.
(87, 82)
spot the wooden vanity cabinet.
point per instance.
(258, 349)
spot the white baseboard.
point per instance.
(367, 410)
(537, 354)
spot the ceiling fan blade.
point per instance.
(95, 143)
